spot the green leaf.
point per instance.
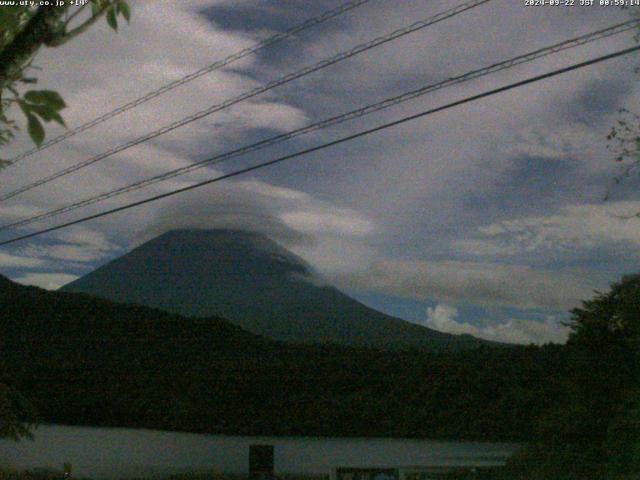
(25, 107)
(95, 8)
(43, 111)
(56, 117)
(112, 19)
(33, 96)
(45, 97)
(125, 10)
(36, 132)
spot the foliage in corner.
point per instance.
(23, 31)
(624, 142)
(594, 433)
(624, 136)
(16, 414)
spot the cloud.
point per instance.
(13, 212)
(486, 284)
(329, 237)
(18, 261)
(49, 281)
(582, 226)
(318, 221)
(230, 206)
(569, 139)
(443, 318)
(71, 253)
(78, 244)
(85, 236)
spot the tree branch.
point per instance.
(65, 37)
(38, 30)
(74, 14)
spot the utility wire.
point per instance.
(252, 93)
(386, 103)
(267, 42)
(347, 138)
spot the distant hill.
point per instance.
(256, 284)
(82, 360)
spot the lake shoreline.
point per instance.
(278, 436)
(127, 453)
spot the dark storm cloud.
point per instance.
(600, 98)
(528, 185)
(269, 17)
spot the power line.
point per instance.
(252, 93)
(386, 103)
(347, 138)
(329, 14)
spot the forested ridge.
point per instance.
(82, 360)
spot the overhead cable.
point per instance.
(323, 146)
(267, 42)
(251, 93)
(335, 120)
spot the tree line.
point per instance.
(80, 360)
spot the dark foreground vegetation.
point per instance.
(593, 432)
(83, 361)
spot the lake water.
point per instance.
(117, 452)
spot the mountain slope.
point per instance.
(254, 283)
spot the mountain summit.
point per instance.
(256, 284)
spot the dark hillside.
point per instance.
(85, 361)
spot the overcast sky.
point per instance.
(486, 219)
